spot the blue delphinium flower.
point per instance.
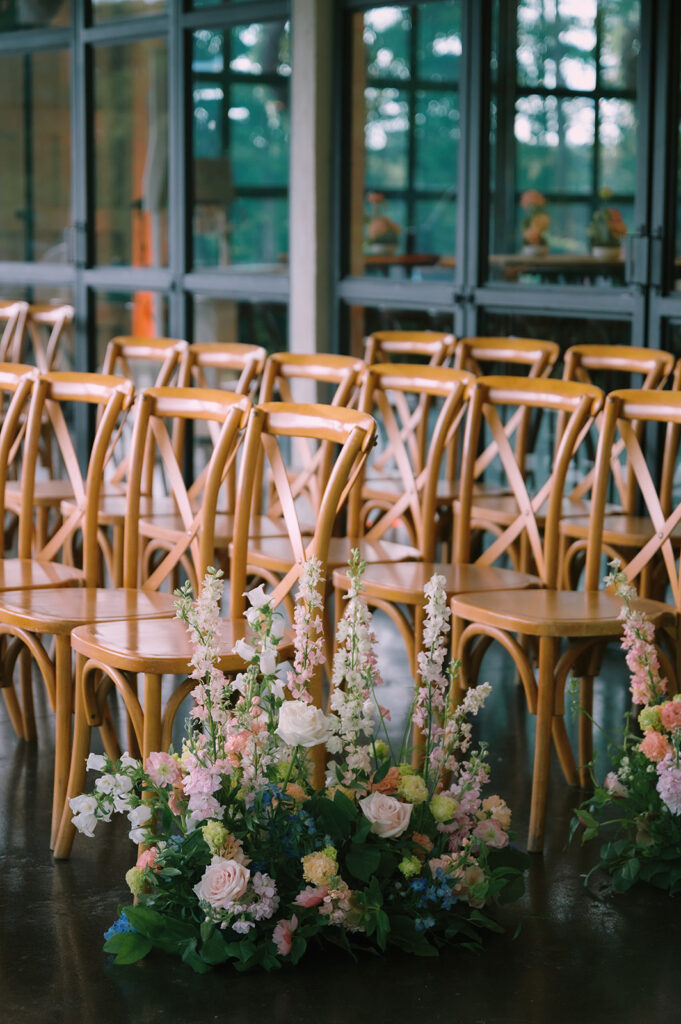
(121, 925)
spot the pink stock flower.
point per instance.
(282, 936)
(654, 745)
(614, 786)
(669, 783)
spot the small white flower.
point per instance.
(278, 689)
(268, 662)
(85, 823)
(121, 803)
(240, 683)
(257, 597)
(139, 815)
(244, 650)
(137, 835)
(83, 804)
(106, 784)
(128, 762)
(96, 763)
(278, 627)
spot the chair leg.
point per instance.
(62, 748)
(77, 773)
(548, 647)
(14, 710)
(564, 751)
(26, 687)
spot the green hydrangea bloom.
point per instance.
(443, 807)
(649, 718)
(413, 789)
(214, 834)
(134, 879)
(410, 866)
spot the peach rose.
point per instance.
(388, 816)
(223, 882)
(389, 783)
(654, 745)
(670, 714)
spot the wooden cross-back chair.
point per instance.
(626, 367)
(47, 327)
(27, 620)
(290, 377)
(13, 316)
(544, 615)
(112, 653)
(492, 355)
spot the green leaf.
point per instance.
(214, 949)
(146, 921)
(346, 806)
(362, 861)
(129, 947)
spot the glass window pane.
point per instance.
(131, 154)
(35, 168)
(564, 123)
(404, 139)
(252, 323)
(364, 320)
(240, 94)
(56, 14)
(107, 10)
(143, 314)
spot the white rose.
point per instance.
(244, 650)
(223, 882)
(257, 597)
(96, 763)
(388, 816)
(302, 724)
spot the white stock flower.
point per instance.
(96, 763)
(302, 724)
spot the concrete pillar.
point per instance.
(310, 176)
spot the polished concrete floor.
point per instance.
(568, 954)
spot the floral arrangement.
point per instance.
(380, 229)
(536, 220)
(606, 228)
(640, 799)
(243, 861)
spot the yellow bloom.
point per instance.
(413, 789)
(318, 868)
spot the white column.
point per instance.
(310, 176)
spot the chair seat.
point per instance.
(132, 646)
(168, 526)
(619, 530)
(31, 574)
(566, 613)
(57, 614)
(403, 582)
(47, 494)
(276, 554)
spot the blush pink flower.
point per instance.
(223, 882)
(670, 714)
(654, 745)
(148, 858)
(162, 769)
(312, 895)
(491, 833)
(282, 936)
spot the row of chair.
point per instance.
(418, 440)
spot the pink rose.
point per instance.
(654, 745)
(282, 936)
(388, 816)
(147, 858)
(670, 714)
(223, 882)
(312, 895)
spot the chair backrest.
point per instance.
(230, 365)
(624, 413)
(408, 346)
(308, 467)
(612, 367)
(271, 426)
(13, 316)
(52, 321)
(535, 504)
(418, 410)
(16, 385)
(485, 355)
(193, 544)
(147, 362)
(54, 397)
